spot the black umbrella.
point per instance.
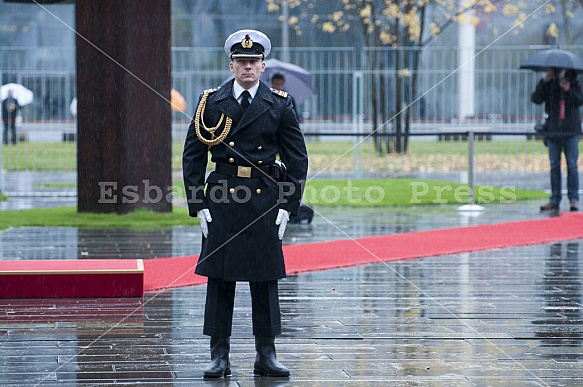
(562, 59)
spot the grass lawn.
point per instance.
(69, 217)
(329, 155)
(351, 193)
(407, 192)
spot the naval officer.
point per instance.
(244, 205)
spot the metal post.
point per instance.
(471, 208)
(471, 165)
(285, 32)
(357, 121)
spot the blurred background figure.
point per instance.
(278, 82)
(10, 108)
(561, 93)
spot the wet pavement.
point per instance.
(27, 190)
(504, 316)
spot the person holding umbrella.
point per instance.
(244, 205)
(278, 83)
(10, 108)
(561, 93)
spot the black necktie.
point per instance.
(245, 100)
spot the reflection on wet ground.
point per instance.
(328, 224)
(504, 316)
(26, 190)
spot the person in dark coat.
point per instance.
(562, 97)
(244, 204)
(278, 83)
(10, 108)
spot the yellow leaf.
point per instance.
(550, 8)
(490, 8)
(509, 10)
(272, 7)
(474, 20)
(385, 37)
(405, 72)
(365, 12)
(328, 27)
(553, 31)
(434, 30)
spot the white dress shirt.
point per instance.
(238, 90)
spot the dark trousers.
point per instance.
(570, 146)
(220, 299)
(9, 128)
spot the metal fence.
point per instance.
(338, 121)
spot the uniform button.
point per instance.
(260, 162)
(258, 191)
(231, 143)
(259, 147)
(232, 190)
(231, 160)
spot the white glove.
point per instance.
(281, 221)
(204, 217)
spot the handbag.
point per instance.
(541, 126)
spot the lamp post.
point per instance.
(285, 32)
(466, 75)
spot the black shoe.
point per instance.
(574, 206)
(550, 206)
(220, 365)
(265, 362)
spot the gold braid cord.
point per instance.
(199, 119)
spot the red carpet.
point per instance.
(175, 272)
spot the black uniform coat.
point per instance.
(242, 244)
(551, 93)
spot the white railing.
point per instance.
(437, 147)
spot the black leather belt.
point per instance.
(241, 171)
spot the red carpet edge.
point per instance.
(175, 272)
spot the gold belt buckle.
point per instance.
(244, 172)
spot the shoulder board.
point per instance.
(210, 91)
(281, 93)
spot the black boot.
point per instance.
(265, 362)
(220, 365)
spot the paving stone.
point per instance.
(497, 317)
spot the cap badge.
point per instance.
(247, 42)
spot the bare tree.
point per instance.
(412, 24)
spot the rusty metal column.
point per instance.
(124, 128)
